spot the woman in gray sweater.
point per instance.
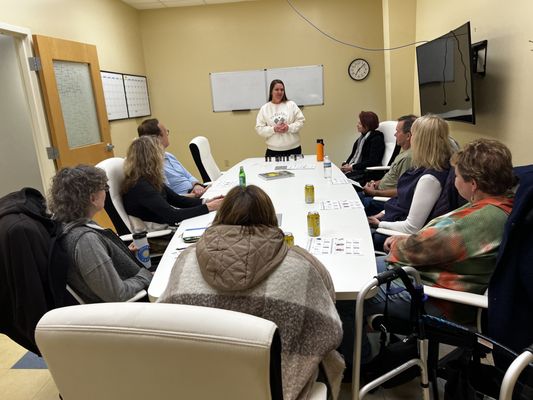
(102, 269)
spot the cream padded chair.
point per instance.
(114, 206)
(389, 129)
(139, 351)
(201, 154)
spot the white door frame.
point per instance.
(40, 134)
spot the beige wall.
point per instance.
(183, 45)
(504, 96)
(109, 24)
(399, 26)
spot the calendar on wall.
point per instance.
(126, 96)
(137, 99)
(115, 95)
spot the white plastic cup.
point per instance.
(143, 249)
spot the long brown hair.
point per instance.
(247, 206)
(144, 160)
(274, 83)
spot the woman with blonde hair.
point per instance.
(242, 263)
(144, 192)
(420, 187)
(458, 250)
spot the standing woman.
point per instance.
(367, 150)
(279, 121)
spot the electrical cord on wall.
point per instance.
(346, 43)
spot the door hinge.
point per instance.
(34, 63)
(52, 152)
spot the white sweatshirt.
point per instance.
(270, 115)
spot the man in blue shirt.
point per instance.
(178, 178)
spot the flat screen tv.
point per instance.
(445, 76)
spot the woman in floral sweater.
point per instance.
(458, 250)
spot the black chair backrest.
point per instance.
(113, 214)
(195, 152)
(511, 286)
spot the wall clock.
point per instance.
(358, 69)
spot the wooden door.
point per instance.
(74, 101)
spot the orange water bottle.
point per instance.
(320, 149)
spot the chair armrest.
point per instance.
(381, 198)
(391, 232)
(378, 168)
(138, 296)
(456, 296)
(154, 234)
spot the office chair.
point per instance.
(201, 154)
(124, 224)
(139, 351)
(388, 128)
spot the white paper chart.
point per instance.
(115, 95)
(339, 204)
(137, 96)
(333, 245)
(339, 181)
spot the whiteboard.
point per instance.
(115, 95)
(239, 90)
(303, 85)
(246, 90)
(137, 96)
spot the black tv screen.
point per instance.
(445, 76)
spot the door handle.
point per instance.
(109, 147)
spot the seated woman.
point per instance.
(420, 187)
(145, 194)
(103, 268)
(242, 263)
(458, 250)
(367, 150)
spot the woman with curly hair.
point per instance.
(102, 268)
(145, 194)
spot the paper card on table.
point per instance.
(324, 245)
(339, 204)
(340, 181)
(355, 183)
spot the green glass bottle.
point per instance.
(242, 177)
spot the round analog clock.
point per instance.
(358, 69)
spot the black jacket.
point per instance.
(510, 314)
(30, 283)
(372, 152)
(145, 202)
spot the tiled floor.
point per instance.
(22, 384)
(37, 384)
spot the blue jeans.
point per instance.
(372, 207)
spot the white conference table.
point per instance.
(348, 271)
